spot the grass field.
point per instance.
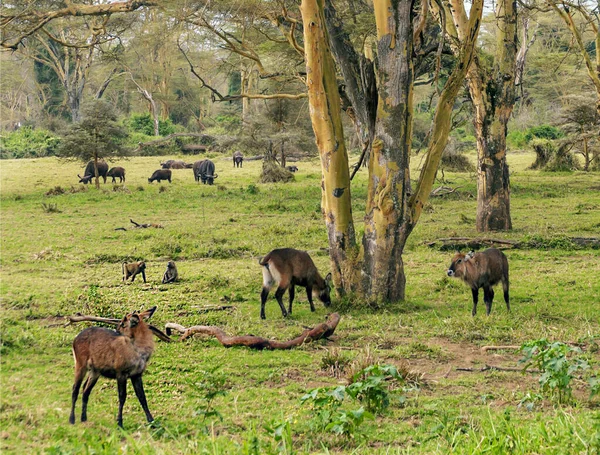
(61, 254)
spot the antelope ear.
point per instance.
(470, 255)
(328, 277)
(148, 313)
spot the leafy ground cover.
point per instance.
(61, 254)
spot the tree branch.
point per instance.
(33, 20)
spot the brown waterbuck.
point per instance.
(288, 268)
(119, 355)
(482, 270)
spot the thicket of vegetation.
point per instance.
(477, 123)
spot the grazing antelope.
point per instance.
(119, 355)
(482, 270)
(288, 268)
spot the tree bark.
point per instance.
(493, 96)
(389, 179)
(326, 120)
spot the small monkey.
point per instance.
(132, 269)
(170, 275)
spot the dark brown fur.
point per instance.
(160, 174)
(117, 173)
(238, 159)
(288, 268)
(132, 269)
(89, 173)
(482, 270)
(119, 355)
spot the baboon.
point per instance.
(170, 275)
(132, 269)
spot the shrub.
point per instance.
(516, 139)
(544, 151)
(543, 132)
(27, 142)
(143, 123)
(273, 172)
(559, 363)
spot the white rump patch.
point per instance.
(271, 275)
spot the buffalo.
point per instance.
(238, 159)
(159, 175)
(204, 170)
(292, 168)
(174, 164)
(90, 173)
(117, 173)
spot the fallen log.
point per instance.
(500, 348)
(83, 318)
(146, 225)
(496, 368)
(456, 243)
(323, 330)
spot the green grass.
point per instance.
(60, 262)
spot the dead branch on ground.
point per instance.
(323, 330)
(496, 368)
(500, 348)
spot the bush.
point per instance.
(273, 172)
(143, 123)
(27, 142)
(544, 151)
(543, 132)
(516, 139)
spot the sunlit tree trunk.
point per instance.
(386, 208)
(326, 120)
(492, 92)
(390, 215)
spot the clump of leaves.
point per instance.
(329, 416)
(213, 385)
(558, 363)
(162, 189)
(252, 189)
(370, 386)
(335, 362)
(282, 433)
(50, 208)
(55, 191)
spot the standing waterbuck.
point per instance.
(288, 268)
(482, 270)
(119, 355)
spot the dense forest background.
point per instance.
(232, 71)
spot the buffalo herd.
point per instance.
(203, 170)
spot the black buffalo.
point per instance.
(292, 168)
(90, 173)
(238, 159)
(117, 173)
(160, 174)
(204, 170)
